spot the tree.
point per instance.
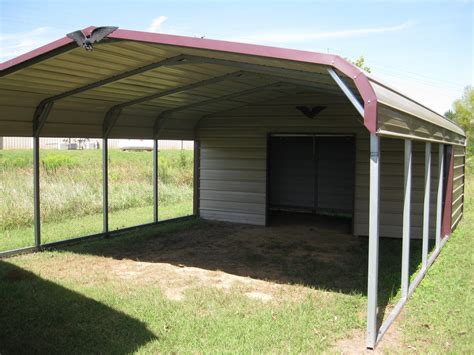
(360, 62)
(463, 111)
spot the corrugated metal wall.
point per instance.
(233, 151)
(392, 186)
(458, 184)
(233, 163)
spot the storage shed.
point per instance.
(274, 129)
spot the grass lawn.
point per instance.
(71, 192)
(439, 318)
(207, 287)
(91, 224)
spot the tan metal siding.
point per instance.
(391, 189)
(458, 185)
(392, 122)
(400, 115)
(233, 151)
(234, 163)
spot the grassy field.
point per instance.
(440, 316)
(169, 289)
(71, 192)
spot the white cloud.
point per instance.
(156, 24)
(306, 35)
(15, 44)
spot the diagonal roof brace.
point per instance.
(159, 123)
(347, 91)
(110, 118)
(177, 60)
(40, 115)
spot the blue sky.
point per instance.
(424, 48)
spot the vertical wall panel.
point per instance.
(233, 156)
(235, 190)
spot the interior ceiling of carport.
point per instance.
(220, 87)
(188, 78)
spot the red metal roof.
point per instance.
(360, 79)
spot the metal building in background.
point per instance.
(81, 143)
(242, 104)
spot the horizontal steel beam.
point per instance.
(260, 68)
(416, 281)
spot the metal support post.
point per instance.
(36, 190)
(155, 180)
(105, 185)
(406, 219)
(372, 284)
(426, 205)
(439, 203)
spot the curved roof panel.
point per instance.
(150, 74)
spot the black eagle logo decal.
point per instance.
(310, 112)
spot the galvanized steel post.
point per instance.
(373, 272)
(406, 219)
(155, 180)
(105, 185)
(36, 190)
(426, 205)
(196, 177)
(439, 203)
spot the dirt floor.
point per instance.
(296, 252)
(284, 262)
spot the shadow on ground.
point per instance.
(39, 316)
(309, 250)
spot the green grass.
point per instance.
(67, 301)
(92, 224)
(439, 318)
(71, 192)
(91, 312)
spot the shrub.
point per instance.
(51, 163)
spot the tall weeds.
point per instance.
(71, 183)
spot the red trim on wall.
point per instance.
(448, 199)
(360, 79)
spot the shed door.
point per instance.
(292, 172)
(312, 173)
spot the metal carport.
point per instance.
(150, 86)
